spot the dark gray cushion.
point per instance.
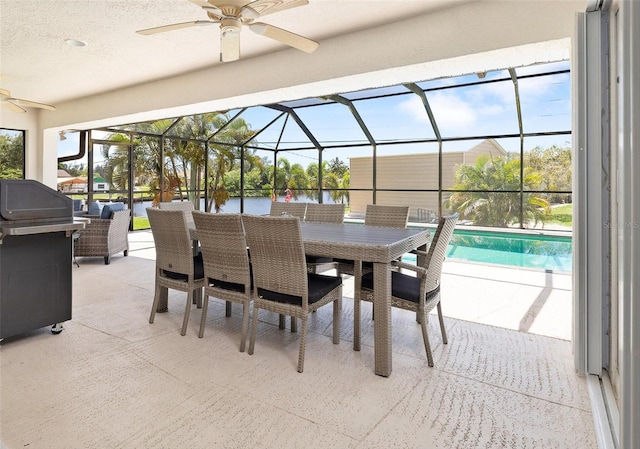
(198, 270)
(402, 286)
(319, 286)
(318, 259)
(224, 285)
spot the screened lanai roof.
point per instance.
(509, 105)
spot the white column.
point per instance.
(629, 224)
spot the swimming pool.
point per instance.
(545, 252)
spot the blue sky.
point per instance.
(461, 111)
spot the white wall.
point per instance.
(29, 122)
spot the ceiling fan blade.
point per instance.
(13, 107)
(30, 104)
(248, 13)
(174, 26)
(229, 45)
(264, 7)
(284, 36)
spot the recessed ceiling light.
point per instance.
(75, 43)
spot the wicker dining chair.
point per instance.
(387, 216)
(293, 209)
(323, 213)
(280, 278)
(185, 206)
(420, 292)
(226, 265)
(176, 266)
(377, 215)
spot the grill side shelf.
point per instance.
(16, 229)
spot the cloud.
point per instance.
(448, 109)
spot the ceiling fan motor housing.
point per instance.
(229, 25)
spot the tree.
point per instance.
(554, 164)
(483, 200)
(116, 166)
(227, 151)
(11, 156)
(335, 179)
(337, 167)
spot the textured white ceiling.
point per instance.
(36, 64)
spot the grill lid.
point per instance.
(26, 199)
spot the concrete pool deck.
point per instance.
(112, 380)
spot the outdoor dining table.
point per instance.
(374, 244)
(359, 243)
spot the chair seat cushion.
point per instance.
(403, 286)
(231, 286)
(319, 286)
(198, 270)
(318, 259)
(365, 264)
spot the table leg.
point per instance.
(357, 284)
(382, 323)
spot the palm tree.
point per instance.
(483, 200)
(337, 167)
(227, 149)
(116, 165)
(283, 175)
(148, 166)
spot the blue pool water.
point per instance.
(529, 251)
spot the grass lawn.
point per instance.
(562, 215)
(140, 223)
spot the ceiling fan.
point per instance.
(19, 105)
(232, 14)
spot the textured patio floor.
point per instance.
(112, 380)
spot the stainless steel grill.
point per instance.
(36, 228)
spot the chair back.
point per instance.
(174, 252)
(277, 255)
(185, 206)
(176, 205)
(224, 248)
(295, 209)
(386, 216)
(438, 250)
(325, 213)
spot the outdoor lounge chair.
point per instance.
(106, 236)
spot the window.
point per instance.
(12, 153)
